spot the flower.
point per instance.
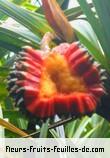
(65, 81)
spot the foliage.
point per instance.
(25, 24)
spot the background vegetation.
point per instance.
(23, 23)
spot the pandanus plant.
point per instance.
(62, 77)
(60, 80)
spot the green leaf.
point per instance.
(4, 72)
(103, 11)
(22, 123)
(88, 38)
(12, 114)
(11, 41)
(34, 24)
(65, 4)
(44, 129)
(20, 32)
(19, 2)
(92, 132)
(80, 129)
(60, 2)
(70, 128)
(97, 27)
(54, 133)
(16, 118)
(3, 52)
(72, 13)
(30, 6)
(3, 16)
(3, 91)
(12, 128)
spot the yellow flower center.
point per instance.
(57, 78)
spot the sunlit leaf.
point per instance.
(34, 24)
(44, 129)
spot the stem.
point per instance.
(47, 38)
(56, 124)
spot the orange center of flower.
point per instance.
(58, 79)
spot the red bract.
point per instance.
(58, 20)
(65, 81)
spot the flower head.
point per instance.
(63, 82)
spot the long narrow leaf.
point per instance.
(13, 41)
(80, 129)
(10, 40)
(103, 11)
(89, 39)
(74, 12)
(44, 129)
(35, 24)
(96, 25)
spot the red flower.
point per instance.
(63, 82)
